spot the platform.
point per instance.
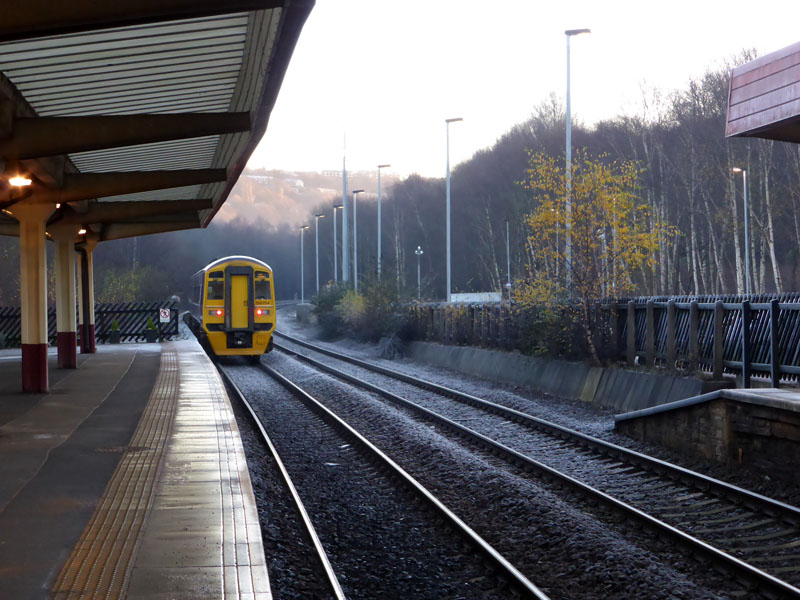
(755, 427)
(127, 480)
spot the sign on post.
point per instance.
(163, 315)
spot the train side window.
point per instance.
(262, 289)
(216, 290)
(197, 294)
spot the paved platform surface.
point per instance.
(127, 480)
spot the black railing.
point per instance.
(741, 335)
(131, 318)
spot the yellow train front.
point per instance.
(232, 307)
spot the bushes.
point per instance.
(554, 330)
(325, 304)
(367, 316)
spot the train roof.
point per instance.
(226, 259)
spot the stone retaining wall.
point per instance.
(730, 426)
(619, 389)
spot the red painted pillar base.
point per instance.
(87, 339)
(67, 350)
(34, 368)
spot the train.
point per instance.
(232, 307)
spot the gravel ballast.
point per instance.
(381, 541)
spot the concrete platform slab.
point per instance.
(127, 480)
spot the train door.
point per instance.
(239, 304)
(240, 284)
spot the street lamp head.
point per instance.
(320, 216)
(577, 31)
(737, 170)
(383, 166)
(335, 206)
(358, 192)
(303, 227)
(453, 120)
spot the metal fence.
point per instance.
(756, 335)
(131, 318)
(490, 325)
(741, 335)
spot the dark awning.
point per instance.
(115, 107)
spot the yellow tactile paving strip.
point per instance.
(201, 537)
(99, 563)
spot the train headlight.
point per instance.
(219, 312)
(259, 312)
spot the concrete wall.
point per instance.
(698, 430)
(615, 388)
(729, 428)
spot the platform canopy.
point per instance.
(764, 97)
(136, 116)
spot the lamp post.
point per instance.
(302, 274)
(568, 244)
(345, 216)
(747, 289)
(419, 253)
(335, 247)
(379, 218)
(447, 122)
(316, 244)
(355, 241)
(508, 259)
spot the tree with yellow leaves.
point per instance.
(612, 235)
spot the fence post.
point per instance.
(631, 316)
(503, 332)
(719, 340)
(650, 349)
(774, 342)
(694, 335)
(671, 334)
(746, 316)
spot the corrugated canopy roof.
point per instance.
(764, 97)
(137, 117)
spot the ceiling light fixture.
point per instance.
(20, 181)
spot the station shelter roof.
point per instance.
(136, 116)
(764, 97)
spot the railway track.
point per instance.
(755, 538)
(340, 438)
(325, 576)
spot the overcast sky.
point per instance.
(388, 72)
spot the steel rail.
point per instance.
(750, 575)
(328, 415)
(330, 575)
(787, 512)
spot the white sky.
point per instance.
(390, 71)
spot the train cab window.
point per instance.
(216, 290)
(262, 289)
